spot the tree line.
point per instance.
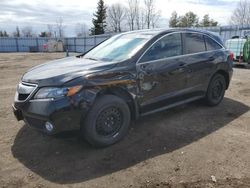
(53, 30)
(135, 15)
(190, 19)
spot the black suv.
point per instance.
(127, 76)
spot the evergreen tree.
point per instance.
(174, 20)
(1, 34)
(99, 20)
(17, 32)
(189, 20)
(207, 22)
(5, 34)
(44, 34)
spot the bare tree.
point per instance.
(138, 16)
(27, 31)
(116, 16)
(51, 31)
(60, 27)
(141, 19)
(155, 19)
(81, 30)
(133, 13)
(241, 15)
(151, 15)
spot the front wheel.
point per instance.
(216, 90)
(107, 122)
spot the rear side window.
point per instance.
(194, 43)
(168, 46)
(211, 44)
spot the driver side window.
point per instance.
(168, 46)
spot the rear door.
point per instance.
(199, 61)
(216, 55)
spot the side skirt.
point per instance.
(172, 105)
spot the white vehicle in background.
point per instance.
(236, 46)
(240, 48)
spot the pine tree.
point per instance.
(207, 22)
(190, 19)
(5, 34)
(17, 32)
(174, 20)
(44, 34)
(99, 20)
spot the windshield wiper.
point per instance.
(91, 58)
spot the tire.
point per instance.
(107, 122)
(216, 90)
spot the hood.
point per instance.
(63, 70)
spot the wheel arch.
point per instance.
(125, 95)
(225, 75)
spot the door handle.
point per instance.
(211, 58)
(184, 67)
(182, 64)
(178, 70)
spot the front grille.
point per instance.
(24, 90)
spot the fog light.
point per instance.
(49, 126)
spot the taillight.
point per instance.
(231, 56)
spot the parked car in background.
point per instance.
(130, 75)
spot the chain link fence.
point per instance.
(236, 39)
(43, 44)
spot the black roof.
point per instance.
(161, 31)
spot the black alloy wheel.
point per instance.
(107, 121)
(216, 90)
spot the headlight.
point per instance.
(53, 92)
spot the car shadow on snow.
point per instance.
(66, 159)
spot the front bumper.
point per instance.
(18, 113)
(64, 114)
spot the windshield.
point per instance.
(118, 48)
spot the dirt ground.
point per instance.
(189, 146)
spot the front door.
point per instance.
(162, 73)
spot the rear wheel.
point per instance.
(107, 122)
(216, 90)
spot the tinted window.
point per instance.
(194, 43)
(168, 46)
(211, 44)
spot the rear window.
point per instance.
(211, 44)
(194, 43)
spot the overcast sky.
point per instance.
(39, 13)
